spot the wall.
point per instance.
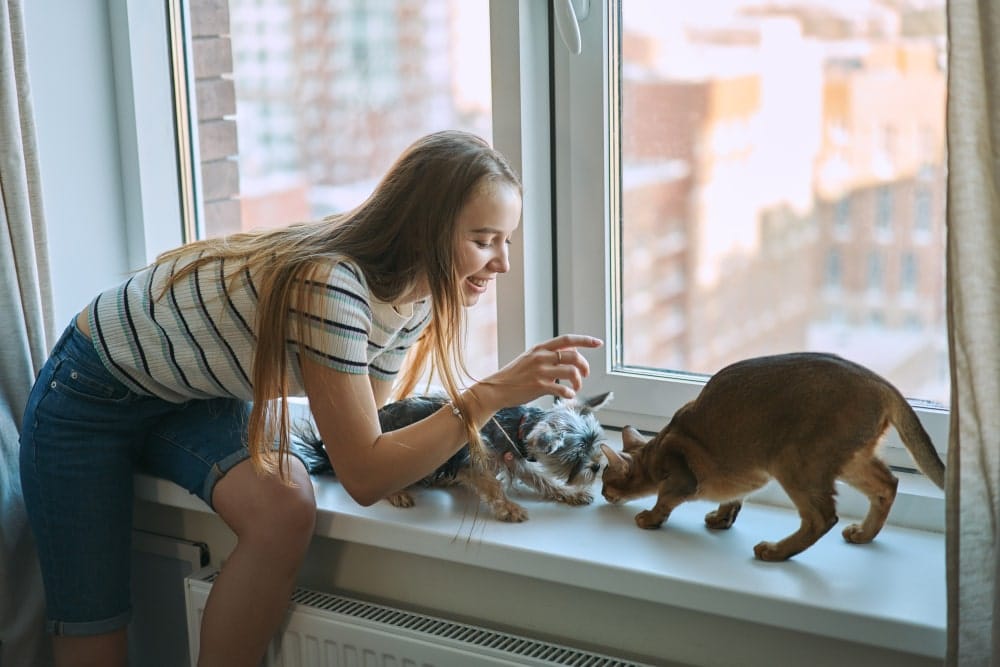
(72, 85)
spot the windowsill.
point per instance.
(888, 594)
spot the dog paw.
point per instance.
(578, 498)
(511, 513)
(855, 534)
(401, 499)
(768, 551)
(647, 519)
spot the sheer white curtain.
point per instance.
(973, 484)
(25, 331)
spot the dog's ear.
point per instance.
(548, 440)
(585, 405)
(595, 403)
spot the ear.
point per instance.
(631, 439)
(551, 442)
(544, 438)
(616, 462)
(595, 403)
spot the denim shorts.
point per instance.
(83, 436)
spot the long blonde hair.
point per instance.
(404, 232)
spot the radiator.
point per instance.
(328, 630)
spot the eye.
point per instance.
(482, 244)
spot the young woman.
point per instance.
(185, 369)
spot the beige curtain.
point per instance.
(26, 329)
(973, 266)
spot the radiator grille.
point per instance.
(516, 649)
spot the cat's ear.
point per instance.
(617, 463)
(632, 439)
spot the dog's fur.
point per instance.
(555, 451)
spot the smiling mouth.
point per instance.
(479, 283)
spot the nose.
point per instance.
(500, 263)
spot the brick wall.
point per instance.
(215, 104)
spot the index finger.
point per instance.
(571, 340)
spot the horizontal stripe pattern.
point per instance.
(197, 339)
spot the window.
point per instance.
(883, 213)
(723, 126)
(876, 273)
(834, 269)
(923, 216)
(908, 278)
(301, 107)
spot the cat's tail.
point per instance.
(308, 446)
(916, 439)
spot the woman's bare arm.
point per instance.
(371, 464)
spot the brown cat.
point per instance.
(803, 419)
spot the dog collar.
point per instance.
(522, 437)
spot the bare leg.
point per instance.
(873, 478)
(274, 524)
(108, 650)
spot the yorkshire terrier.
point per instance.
(556, 451)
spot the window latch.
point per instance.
(568, 14)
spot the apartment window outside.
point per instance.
(769, 84)
(302, 106)
(908, 274)
(833, 269)
(730, 117)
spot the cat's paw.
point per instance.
(723, 517)
(769, 551)
(855, 534)
(401, 499)
(648, 519)
(510, 512)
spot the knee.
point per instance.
(288, 512)
(266, 510)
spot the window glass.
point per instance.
(781, 184)
(303, 104)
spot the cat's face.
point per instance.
(567, 441)
(620, 482)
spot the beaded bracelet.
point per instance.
(454, 410)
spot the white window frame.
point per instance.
(519, 41)
(586, 248)
(146, 130)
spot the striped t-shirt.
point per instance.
(198, 340)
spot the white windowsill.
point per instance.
(888, 594)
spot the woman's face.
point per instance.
(483, 230)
